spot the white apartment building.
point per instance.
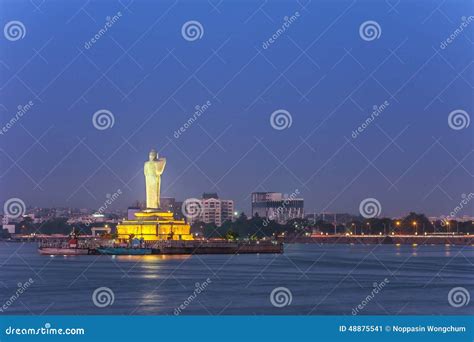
(214, 210)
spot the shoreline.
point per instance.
(414, 240)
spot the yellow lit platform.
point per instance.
(154, 226)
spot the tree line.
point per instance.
(257, 227)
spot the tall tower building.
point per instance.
(277, 207)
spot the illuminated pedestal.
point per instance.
(154, 225)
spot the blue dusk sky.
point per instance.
(320, 66)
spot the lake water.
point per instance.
(322, 280)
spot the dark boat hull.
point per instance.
(220, 248)
(123, 251)
(63, 251)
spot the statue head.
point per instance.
(153, 155)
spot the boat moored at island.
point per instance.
(64, 247)
(64, 251)
(87, 246)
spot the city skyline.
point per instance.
(460, 213)
(334, 147)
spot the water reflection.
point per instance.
(157, 284)
(150, 299)
(149, 258)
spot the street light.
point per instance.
(397, 224)
(415, 224)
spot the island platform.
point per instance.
(167, 247)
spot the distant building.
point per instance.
(7, 226)
(464, 218)
(97, 231)
(178, 212)
(91, 219)
(209, 195)
(276, 206)
(214, 210)
(170, 204)
(167, 203)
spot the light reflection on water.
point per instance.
(150, 258)
(331, 279)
